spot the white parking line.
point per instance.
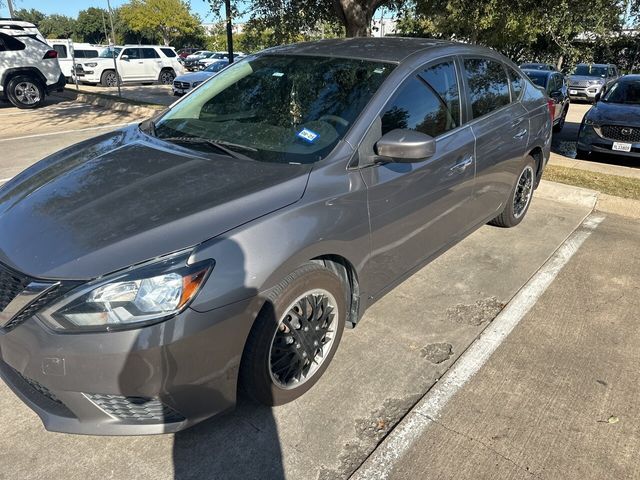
(381, 462)
(63, 132)
(4, 180)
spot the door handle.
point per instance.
(462, 165)
(520, 134)
(515, 123)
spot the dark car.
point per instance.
(555, 86)
(185, 52)
(147, 272)
(591, 79)
(612, 125)
(538, 66)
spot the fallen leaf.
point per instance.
(613, 419)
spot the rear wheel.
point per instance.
(558, 127)
(295, 336)
(520, 198)
(24, 91)
(166, 77)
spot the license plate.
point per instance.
(621, 147)
(573, 92)
(179, 90)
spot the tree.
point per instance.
(91, 23)
(57, 26)
(34, 16)
(170, 19)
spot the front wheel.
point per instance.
(25, 92)
(109, 78)
(295, 336)
(520, 198)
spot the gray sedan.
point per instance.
(149, 272)
(185, 83)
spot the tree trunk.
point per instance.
(356, 15)
(560, 61)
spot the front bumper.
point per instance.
(590, 141)
(158, 379)
(584, 93)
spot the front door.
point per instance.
(416, 209)
(131, 68)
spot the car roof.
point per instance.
(598, 64)
(630, 77)
(383, 49)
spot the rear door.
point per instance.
(152, 63)
(501, 129)
(416, 209)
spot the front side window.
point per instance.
(428, 103)
(488, 85)
(276, 108)
(110, 52)
(132, 53)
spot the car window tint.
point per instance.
(516, 83)
(132, 53)
(149, 53)
(168, 52)
(415, 106)
(442, 80)
(86, 53)
(61, 49)
(9, 43)
(488, 86)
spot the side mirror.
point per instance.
(124, 57)
(406, 146)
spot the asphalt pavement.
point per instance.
(384, 367)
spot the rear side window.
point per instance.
(516, 83)
(488, 85)
(85, 53)
(418, 106)
(9, 43)
(168, 52)
(149, 53)
(62, 50)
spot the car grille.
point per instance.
(181, 85)
(36, 306)
(618, 132)
(135, 409)
(11, 284)
(579, 83)
(41, 389)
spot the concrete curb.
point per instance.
(595, 167)
(111, 103)
(619, 206)
(567, 193)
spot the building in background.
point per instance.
(383, 26)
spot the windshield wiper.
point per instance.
(218, 145)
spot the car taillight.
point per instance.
(50, 54)
(552, 108)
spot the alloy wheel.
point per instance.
(524, 189)
(27, 93)
(112, 80)
(166, 78)
(303, 339)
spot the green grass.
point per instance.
(624, 187)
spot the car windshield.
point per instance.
(107, 52)
(590, 71)
(276, 108)
(539, 79)
(216, 67)
(624, 92)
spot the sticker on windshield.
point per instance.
(378, 70)
(308, 135)
(277, 74)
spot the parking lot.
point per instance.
(557, 399)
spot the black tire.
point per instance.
(109, 78)
(166, 77)
(256, 377)
(25, 91)
(558, 128)
(515, 210)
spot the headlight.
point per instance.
(92, 64)
(195, 84)
(595, 82)
(139, 296)
(590, 121)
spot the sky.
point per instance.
(72, 7)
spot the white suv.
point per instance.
(136, 63)
(29, 68)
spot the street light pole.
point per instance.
(11, 12)
(112, 44)
(227, 7)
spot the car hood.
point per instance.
(125, 197)
(576, 78)
(615, 114)
(194, 77)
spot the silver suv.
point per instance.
(589, 80)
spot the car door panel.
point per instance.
(132, 68)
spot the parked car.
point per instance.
(29, 68)
(191, 61)
(187, 82)
(612, 125)
(538, 66)
(216, 56)
(136, 63)
(150, 270)
(70, 53)
(589, 80)
(555, 86)
(185, 52)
